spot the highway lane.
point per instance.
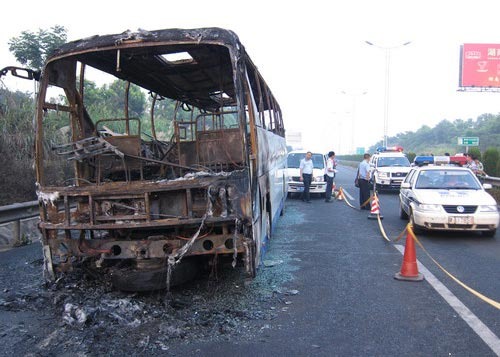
(470, 257)
(349, 303)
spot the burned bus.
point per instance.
(198, 176)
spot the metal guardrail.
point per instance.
(18, 211)
(494, 181)
(15, 213)
(348, 163)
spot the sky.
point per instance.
(313, 54)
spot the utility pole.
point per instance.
(387, 51)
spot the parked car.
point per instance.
(390, 166)
(447, 198)
(318, 184)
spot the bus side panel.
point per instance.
(272, 172)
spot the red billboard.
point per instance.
(480, 65)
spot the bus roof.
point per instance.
(203, 79)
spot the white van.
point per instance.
(318, 184)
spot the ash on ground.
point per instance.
(81, 314)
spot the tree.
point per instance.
(490, 160)
(444, 132)
(136, 100)
(32, 49)
(17, 176)
(411, 156)
(475, 152)
(108, 101)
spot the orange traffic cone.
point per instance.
(375, 209)
(340, 195)
(409, 268)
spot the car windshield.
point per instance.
(447, 179)
(293, 160)
(393, 161)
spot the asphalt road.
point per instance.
(343, 299)
(349, 302)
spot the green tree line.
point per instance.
(443, 138)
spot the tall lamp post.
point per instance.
(387, 51)
(339, 119)
(354, 95)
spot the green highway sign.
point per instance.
(470, 141)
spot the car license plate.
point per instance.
(300, 188)
(461, 220)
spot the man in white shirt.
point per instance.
(306, 172)
(329, 175)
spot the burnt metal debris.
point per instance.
(135, 202)
(20, 72)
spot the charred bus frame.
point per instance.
(138, 204)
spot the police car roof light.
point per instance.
(396, 148)
(439, 160)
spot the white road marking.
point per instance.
(6, 331)
(347, 194)
(472, 320)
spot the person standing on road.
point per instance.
(306, 172)
(329, 175)
(364, 182)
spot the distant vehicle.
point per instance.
(389, 167)
(318, 184)
(201, 177)
(421, 160)
(447, 198)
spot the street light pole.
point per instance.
(354, 96)
(387, 51)
(339, 118)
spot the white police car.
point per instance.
(389, 166)
(447, 198)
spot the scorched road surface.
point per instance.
(326, 289)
